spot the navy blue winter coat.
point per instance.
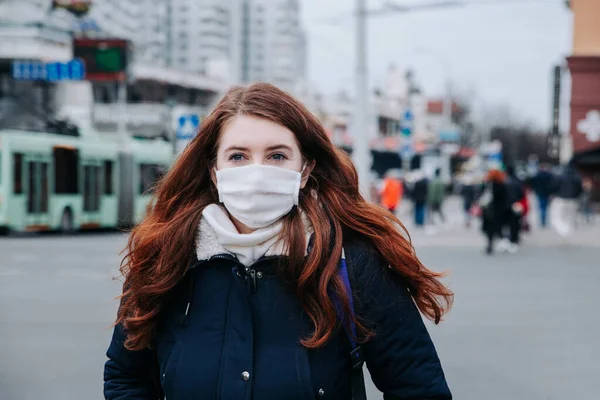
(241, 340)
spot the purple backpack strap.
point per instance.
(357, 378)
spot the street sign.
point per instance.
(407, 150)
(449, 135)
(187, 126)
(556, 101)
(553, 145)
(28, 70)
(406, 125)
(106, 60)
(86, 25)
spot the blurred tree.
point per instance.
(519, 142)
(463, 100)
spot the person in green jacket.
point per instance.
(435, 196)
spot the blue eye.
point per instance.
(279, 157)
(236, 157)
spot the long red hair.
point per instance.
(162, 247)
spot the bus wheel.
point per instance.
(66, 222)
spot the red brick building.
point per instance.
(584, 65)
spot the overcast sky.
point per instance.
(503, 53)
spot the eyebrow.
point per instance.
(270, 148)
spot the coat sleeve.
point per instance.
(130, 375)
(401, 357)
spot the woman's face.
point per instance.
(249, 140)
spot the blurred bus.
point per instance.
(66, 183)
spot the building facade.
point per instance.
(584, 64)
(201, 32)
(273, 43)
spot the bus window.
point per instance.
(44, 205)
(91, 188)
(108, 178)
(98, 189)
(150, 174)
(18, 173)
(65, 171)
(32, 192)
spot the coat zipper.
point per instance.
(249, 273)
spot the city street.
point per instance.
(524, 326)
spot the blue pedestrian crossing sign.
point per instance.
(187, 126)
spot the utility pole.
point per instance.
(361, 153)
(447, 105)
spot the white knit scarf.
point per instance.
(217, 235)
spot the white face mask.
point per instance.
(258, 195)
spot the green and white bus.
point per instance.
(66, 183)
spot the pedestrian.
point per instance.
(525, 208)
(468, 192)
(516, 200)
(419, 197)
(392, 192)
(262, 273)
(435, 197)
(563, 212)
(543, 184)
(586, 200)
(494, 207)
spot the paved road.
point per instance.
(523, 327)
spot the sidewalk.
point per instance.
(454, 233)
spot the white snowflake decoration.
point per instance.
(590, 126)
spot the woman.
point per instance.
(495, 207)
(232, 282)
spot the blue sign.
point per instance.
(86, 25)
(495, 156)
(187, 125)
(449, 136)
(407, 123)
(73, 70)
(407, 151)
